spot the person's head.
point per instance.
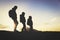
(23, 13)
(14, 8)
(30, 17)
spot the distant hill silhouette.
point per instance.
(31, 35)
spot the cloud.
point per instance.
(2, 26)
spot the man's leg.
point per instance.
(31, 27)
(16, 23)
(24, 27)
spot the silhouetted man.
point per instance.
(13, 15)
(30, 23)
(23, 20)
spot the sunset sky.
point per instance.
(45, 14)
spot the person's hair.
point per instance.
(23, 13)
(30, 17)
(15, 6)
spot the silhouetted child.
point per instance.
(13, 15)
(23, 20)
(30, 22)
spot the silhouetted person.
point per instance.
(13, 15)
(23, 20)
(30, 23)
